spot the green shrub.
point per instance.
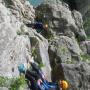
(12, 83)
(70, 62)
(3, 81)
(17, 83)
(41, 65)
(85, 57)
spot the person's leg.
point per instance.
(50, 84)
(34, 85)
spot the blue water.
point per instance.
(35, 3)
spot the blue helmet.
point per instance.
(21, 68)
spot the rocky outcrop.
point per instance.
(61, 19)
(85, 46)
(21, 9)
(65, 49)
(83, 7)
(78, 75)
(65, 53)
(17, 41)
(64, 25)
(16, 45)
(79, 22)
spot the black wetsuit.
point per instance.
(35, 74)
(36, 25)
(32, 76)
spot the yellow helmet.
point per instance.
(63, 84)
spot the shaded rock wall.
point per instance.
(80, 5)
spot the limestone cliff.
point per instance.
(17, 42)
(65, 52)
(60, 56)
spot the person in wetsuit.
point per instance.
(37, 79)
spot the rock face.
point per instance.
(17, 41)
(65, 53)
(61, 19)
(80, 76)
(85, 45)
(65, 48)
(21, 9)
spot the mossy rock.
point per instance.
(85, 57)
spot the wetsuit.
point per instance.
(36, 25)
(35, 74)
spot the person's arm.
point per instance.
(32, 73)
(38, 70)
(35, 67)
(29, 74)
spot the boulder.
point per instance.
(40, 44)
(79, 22)
(65, 48)
(85, 46)
(78, 75)
(61, 19)
(64, 51)
(17, 42)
